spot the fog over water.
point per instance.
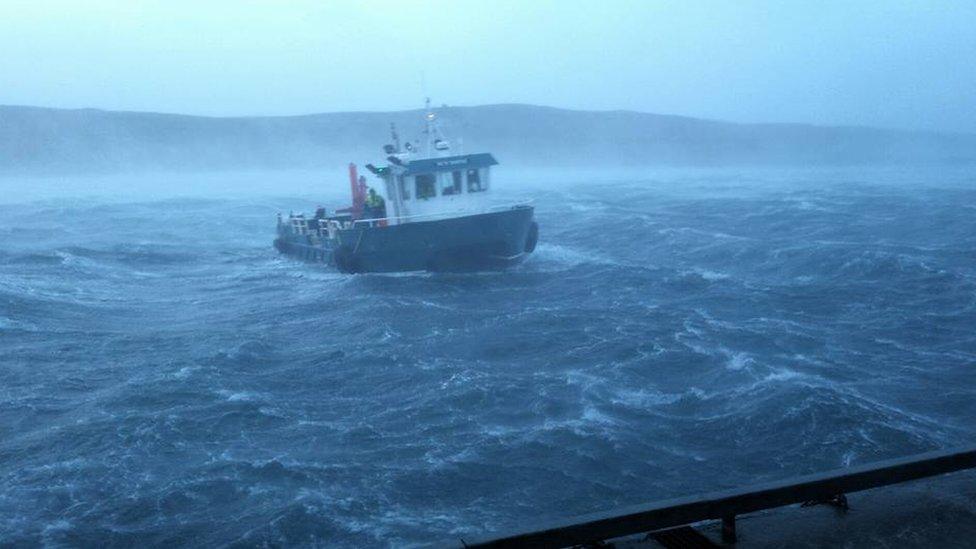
(877, 63)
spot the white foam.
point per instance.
(738, 360)
(56, 526)
(593, 415)
(667, 231)
(783, 374)
(238, 396)
(185, 372)
(567, 256)
(643, 398)
(711, 275)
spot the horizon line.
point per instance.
(490, 105)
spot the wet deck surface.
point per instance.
(937, 512)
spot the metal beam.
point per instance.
(727, 504)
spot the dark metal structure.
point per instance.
(829, 487)
(484, 241)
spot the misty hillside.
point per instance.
(43, 140)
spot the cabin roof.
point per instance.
(449, 163)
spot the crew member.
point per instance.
(316, 222)
(375, 205)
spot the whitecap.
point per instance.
(592, 415)
(567, 256)
(783, 374)
(643, 398)
(737, 360)
(58, 525)
(185, 372)
(667, 231)
(711, 275)
(237, 396)
(586, 207)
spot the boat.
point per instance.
(432, 210)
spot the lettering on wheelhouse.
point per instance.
(427, 187)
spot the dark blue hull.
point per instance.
(489, 241)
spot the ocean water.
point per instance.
(166, 377)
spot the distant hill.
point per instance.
(39, 140)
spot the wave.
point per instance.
(664, 335)
(559, 256)
(141, 255)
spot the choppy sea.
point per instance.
(167, 378)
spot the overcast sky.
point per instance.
(871, 62)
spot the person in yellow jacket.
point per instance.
(375, 205)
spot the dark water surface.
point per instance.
(165, 377)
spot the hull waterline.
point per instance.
(487, 241)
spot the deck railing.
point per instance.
(372, 222)
(828, 487)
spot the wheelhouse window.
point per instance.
(426, 186)
(475, 183)
(450, 183)
(404, 188)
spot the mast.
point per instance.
(428, 119)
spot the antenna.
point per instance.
(428, 118)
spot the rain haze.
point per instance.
(876, 63)
(256, 290)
